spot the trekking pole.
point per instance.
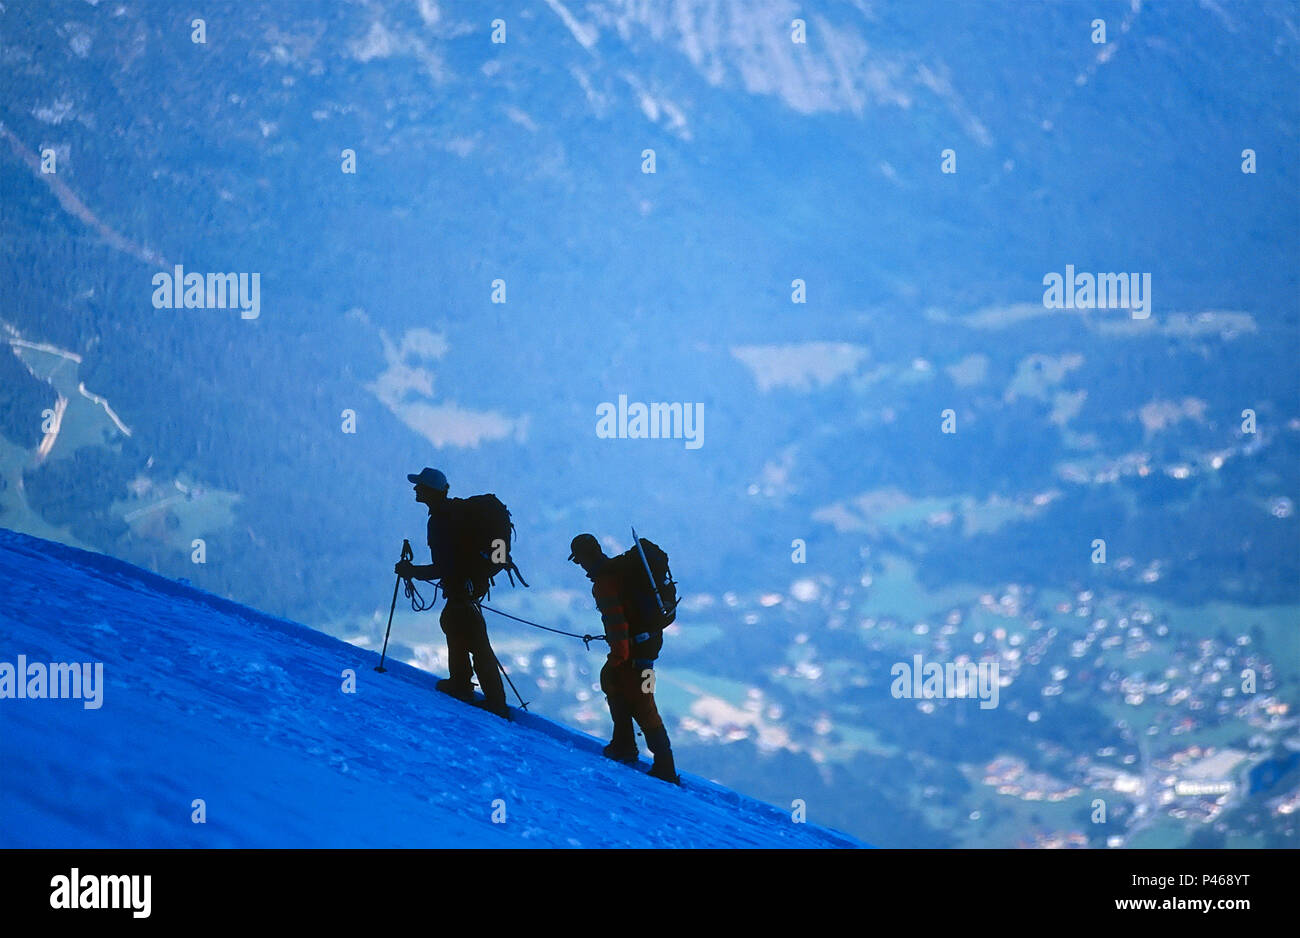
(511, 683)
(407, 554)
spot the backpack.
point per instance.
(637, 593)
(479, 526)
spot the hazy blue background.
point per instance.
(775, 161)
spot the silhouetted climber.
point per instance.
(464, 579)
(627, 677)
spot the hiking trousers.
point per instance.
(462, 623)
(625, 689)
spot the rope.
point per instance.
(417, 601)
(418, 604)
(586, 639)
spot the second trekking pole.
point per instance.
(407, 554)
(511, 683)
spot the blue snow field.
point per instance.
(205, 699)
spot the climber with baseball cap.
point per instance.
(461, 619)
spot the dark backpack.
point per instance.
(646, 621)
(481, 533)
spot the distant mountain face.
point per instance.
(513, 170)
(840, 254)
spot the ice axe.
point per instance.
(649, 574)
(407, 554)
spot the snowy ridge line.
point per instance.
(267, 700)
(127, 573)
(694, 784)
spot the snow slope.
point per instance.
(206, 699)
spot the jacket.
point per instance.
(604, 589)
